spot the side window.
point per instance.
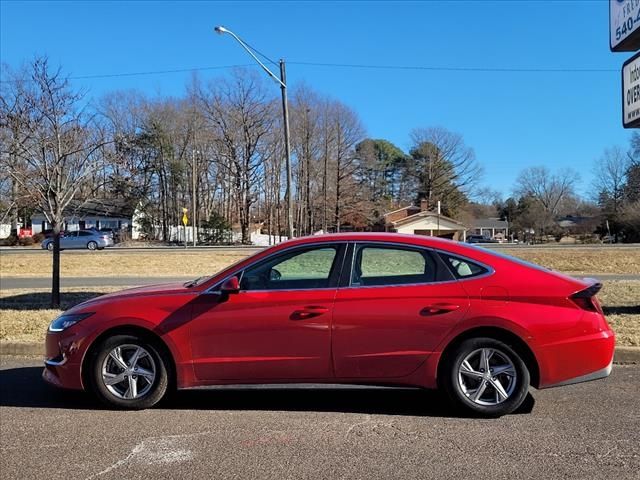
(462, 268)
(375, 266)
(305, 269)
(85, 234)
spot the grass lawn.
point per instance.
(134, 264)
(206, 262)
(25, 315)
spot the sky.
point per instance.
(512, 119)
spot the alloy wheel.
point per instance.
(487, 376)
(129, 371)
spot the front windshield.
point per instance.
(200, 280)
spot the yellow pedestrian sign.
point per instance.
(185, 219)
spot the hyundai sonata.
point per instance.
(348, 308)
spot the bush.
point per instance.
(10, 241)
(25, 241)
(38, 237)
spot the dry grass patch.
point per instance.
(621, 304)
(582, 260)
(104, 264)
(206, 262)
(25, 314)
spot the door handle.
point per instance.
(438, 308)
(308, 312)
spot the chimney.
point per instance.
(424, 205)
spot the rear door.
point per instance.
(69, 240)
(392, 310)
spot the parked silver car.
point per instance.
(91, 239)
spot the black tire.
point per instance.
(50, 246)
(158, 387)
(92, 245)
(449, 378)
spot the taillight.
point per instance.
(586, 299)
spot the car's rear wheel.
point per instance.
(92, 245)
(129, 372)
(485, 376)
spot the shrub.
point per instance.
(10, 241)
(25, 241)
(38, 237)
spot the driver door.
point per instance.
(277, 327)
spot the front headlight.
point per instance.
(64, 321)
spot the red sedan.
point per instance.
(348, 308)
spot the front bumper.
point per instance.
(63, 360)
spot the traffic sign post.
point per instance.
(631, 92)
(624, 25)
(185, 220)
(624, 36)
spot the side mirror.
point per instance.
(230, 285)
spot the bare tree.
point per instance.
(58, 145)
(547, 189)
(610, 176)
(240, 117)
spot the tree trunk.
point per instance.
(55, 275)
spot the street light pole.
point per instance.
(285, 113)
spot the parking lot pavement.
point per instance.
(590, 430)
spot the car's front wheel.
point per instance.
(129, 372)
(50, 246)
(486, 377)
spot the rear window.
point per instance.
(511, 258)
(462, 267)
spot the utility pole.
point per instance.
(193, 195)
(287, 147)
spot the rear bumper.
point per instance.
(602, 373)
(576, 360)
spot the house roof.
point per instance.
(425, 213)
(490, 223)
(401, 209)
(112, 208)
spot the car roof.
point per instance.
(408, 239)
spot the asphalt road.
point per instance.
(11, 283)
(583, 431)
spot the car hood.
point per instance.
(147, 290)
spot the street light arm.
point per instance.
(223, 30)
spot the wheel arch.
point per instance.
(503, 335)
(142, 332)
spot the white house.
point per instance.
(420, 221)
(113, 214)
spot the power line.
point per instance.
(459, 69)
(354, 66)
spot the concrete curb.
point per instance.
(623, 355)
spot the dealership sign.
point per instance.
(631, 92)
(624, 25)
